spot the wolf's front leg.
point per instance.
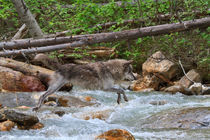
(119, 91)
(55, 86)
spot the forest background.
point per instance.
(82, 16)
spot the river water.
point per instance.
(128, 115)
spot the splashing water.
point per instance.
(127, 115)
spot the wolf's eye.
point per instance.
(127, 69)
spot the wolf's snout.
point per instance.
(130, 77)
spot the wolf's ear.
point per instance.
(128, 62)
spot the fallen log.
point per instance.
(26, 43)
(54, 39)
(116, 36)
(27, 69)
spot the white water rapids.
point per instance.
(128, 115)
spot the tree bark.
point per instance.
(20, 33)
(117, 36)
(28, 18)
(32, 70)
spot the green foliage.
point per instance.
(55, 15)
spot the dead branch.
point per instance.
(20, 33)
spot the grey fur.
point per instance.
(93, 76)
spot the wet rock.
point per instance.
(206, 91)
(37, 126)
(66, 87)
(148, 82)
(51, 103)
(17, 99)
(193, 75)
(189, 118)
(196, 88)
(158, 102)
(158, 63)
(70, 101)
(101, 115)
(178, 88)
(116, 134)
(22, 120)
(89, 98)
(6, 125)
(11, 80)
(60, 113)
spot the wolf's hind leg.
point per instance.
(119, 91)
(52, 88)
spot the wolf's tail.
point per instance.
(51, 63)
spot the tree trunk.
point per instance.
(116, 36)
(28, 18)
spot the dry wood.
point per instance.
(116, 36)
(20, 33)
(26, 43)
(164, 78)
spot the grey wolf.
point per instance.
(93, 76)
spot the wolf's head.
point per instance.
(121, 69)
(128, 71)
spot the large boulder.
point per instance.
(158, 63)
(188, 118)
(193, 75)
(116, 134)
(11, 80)
(150, 82)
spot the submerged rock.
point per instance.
(158, 102)
(101, 115)
(60, 113)
(70, 101)
(37, 126)
(6, 125)
(116, 134)
(17, 99)
(189, 118)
